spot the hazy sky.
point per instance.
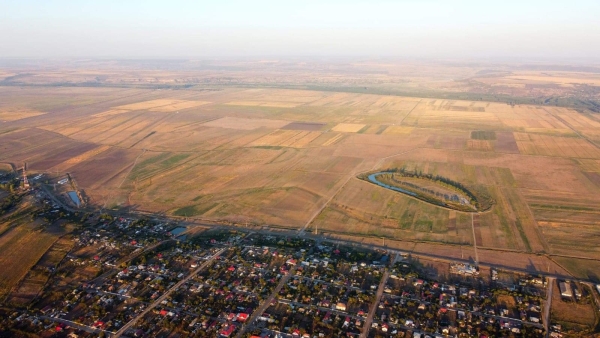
(401, 28)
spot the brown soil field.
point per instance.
(56, 156)
(310, 126)
(506, 143)
(594, 177)
(246, 124)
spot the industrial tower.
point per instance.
(25, 181)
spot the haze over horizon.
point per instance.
(535, 30)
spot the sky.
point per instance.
(482, 29)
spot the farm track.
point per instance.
(350, 176)
(572, 128)
(474, 239)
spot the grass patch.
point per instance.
(483, 135)
(193, 210)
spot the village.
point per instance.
(137, 276)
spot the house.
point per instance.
(242, 317)
(226, 332)
(384, 327)
(340, 306)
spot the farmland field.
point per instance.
(281, 156)
(28, 244)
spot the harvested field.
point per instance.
(160, 105)
(333, 140)
(112, 112)
(480, 145)
(100, 169)
(286, 138)
(310, 126)
(571, 147)
(268, 156)
(348, 127)
(394, 130)
(83, 157)
(263, 104)
(246, 124)
(26, 243)
(176, 106)
(17, 114)
(56, 156)
(36, 278)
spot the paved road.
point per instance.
(166, 294)
(266, 303)
(548, 305)
(75, 325)
(369, 320)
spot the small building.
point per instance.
(226, 332)
(242, 317)
(565, 290)
(340, 307)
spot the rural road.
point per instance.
(367, 326)
(474, 240)
(266, 302)
(166, 294)
(548, 305)
(350, 176)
